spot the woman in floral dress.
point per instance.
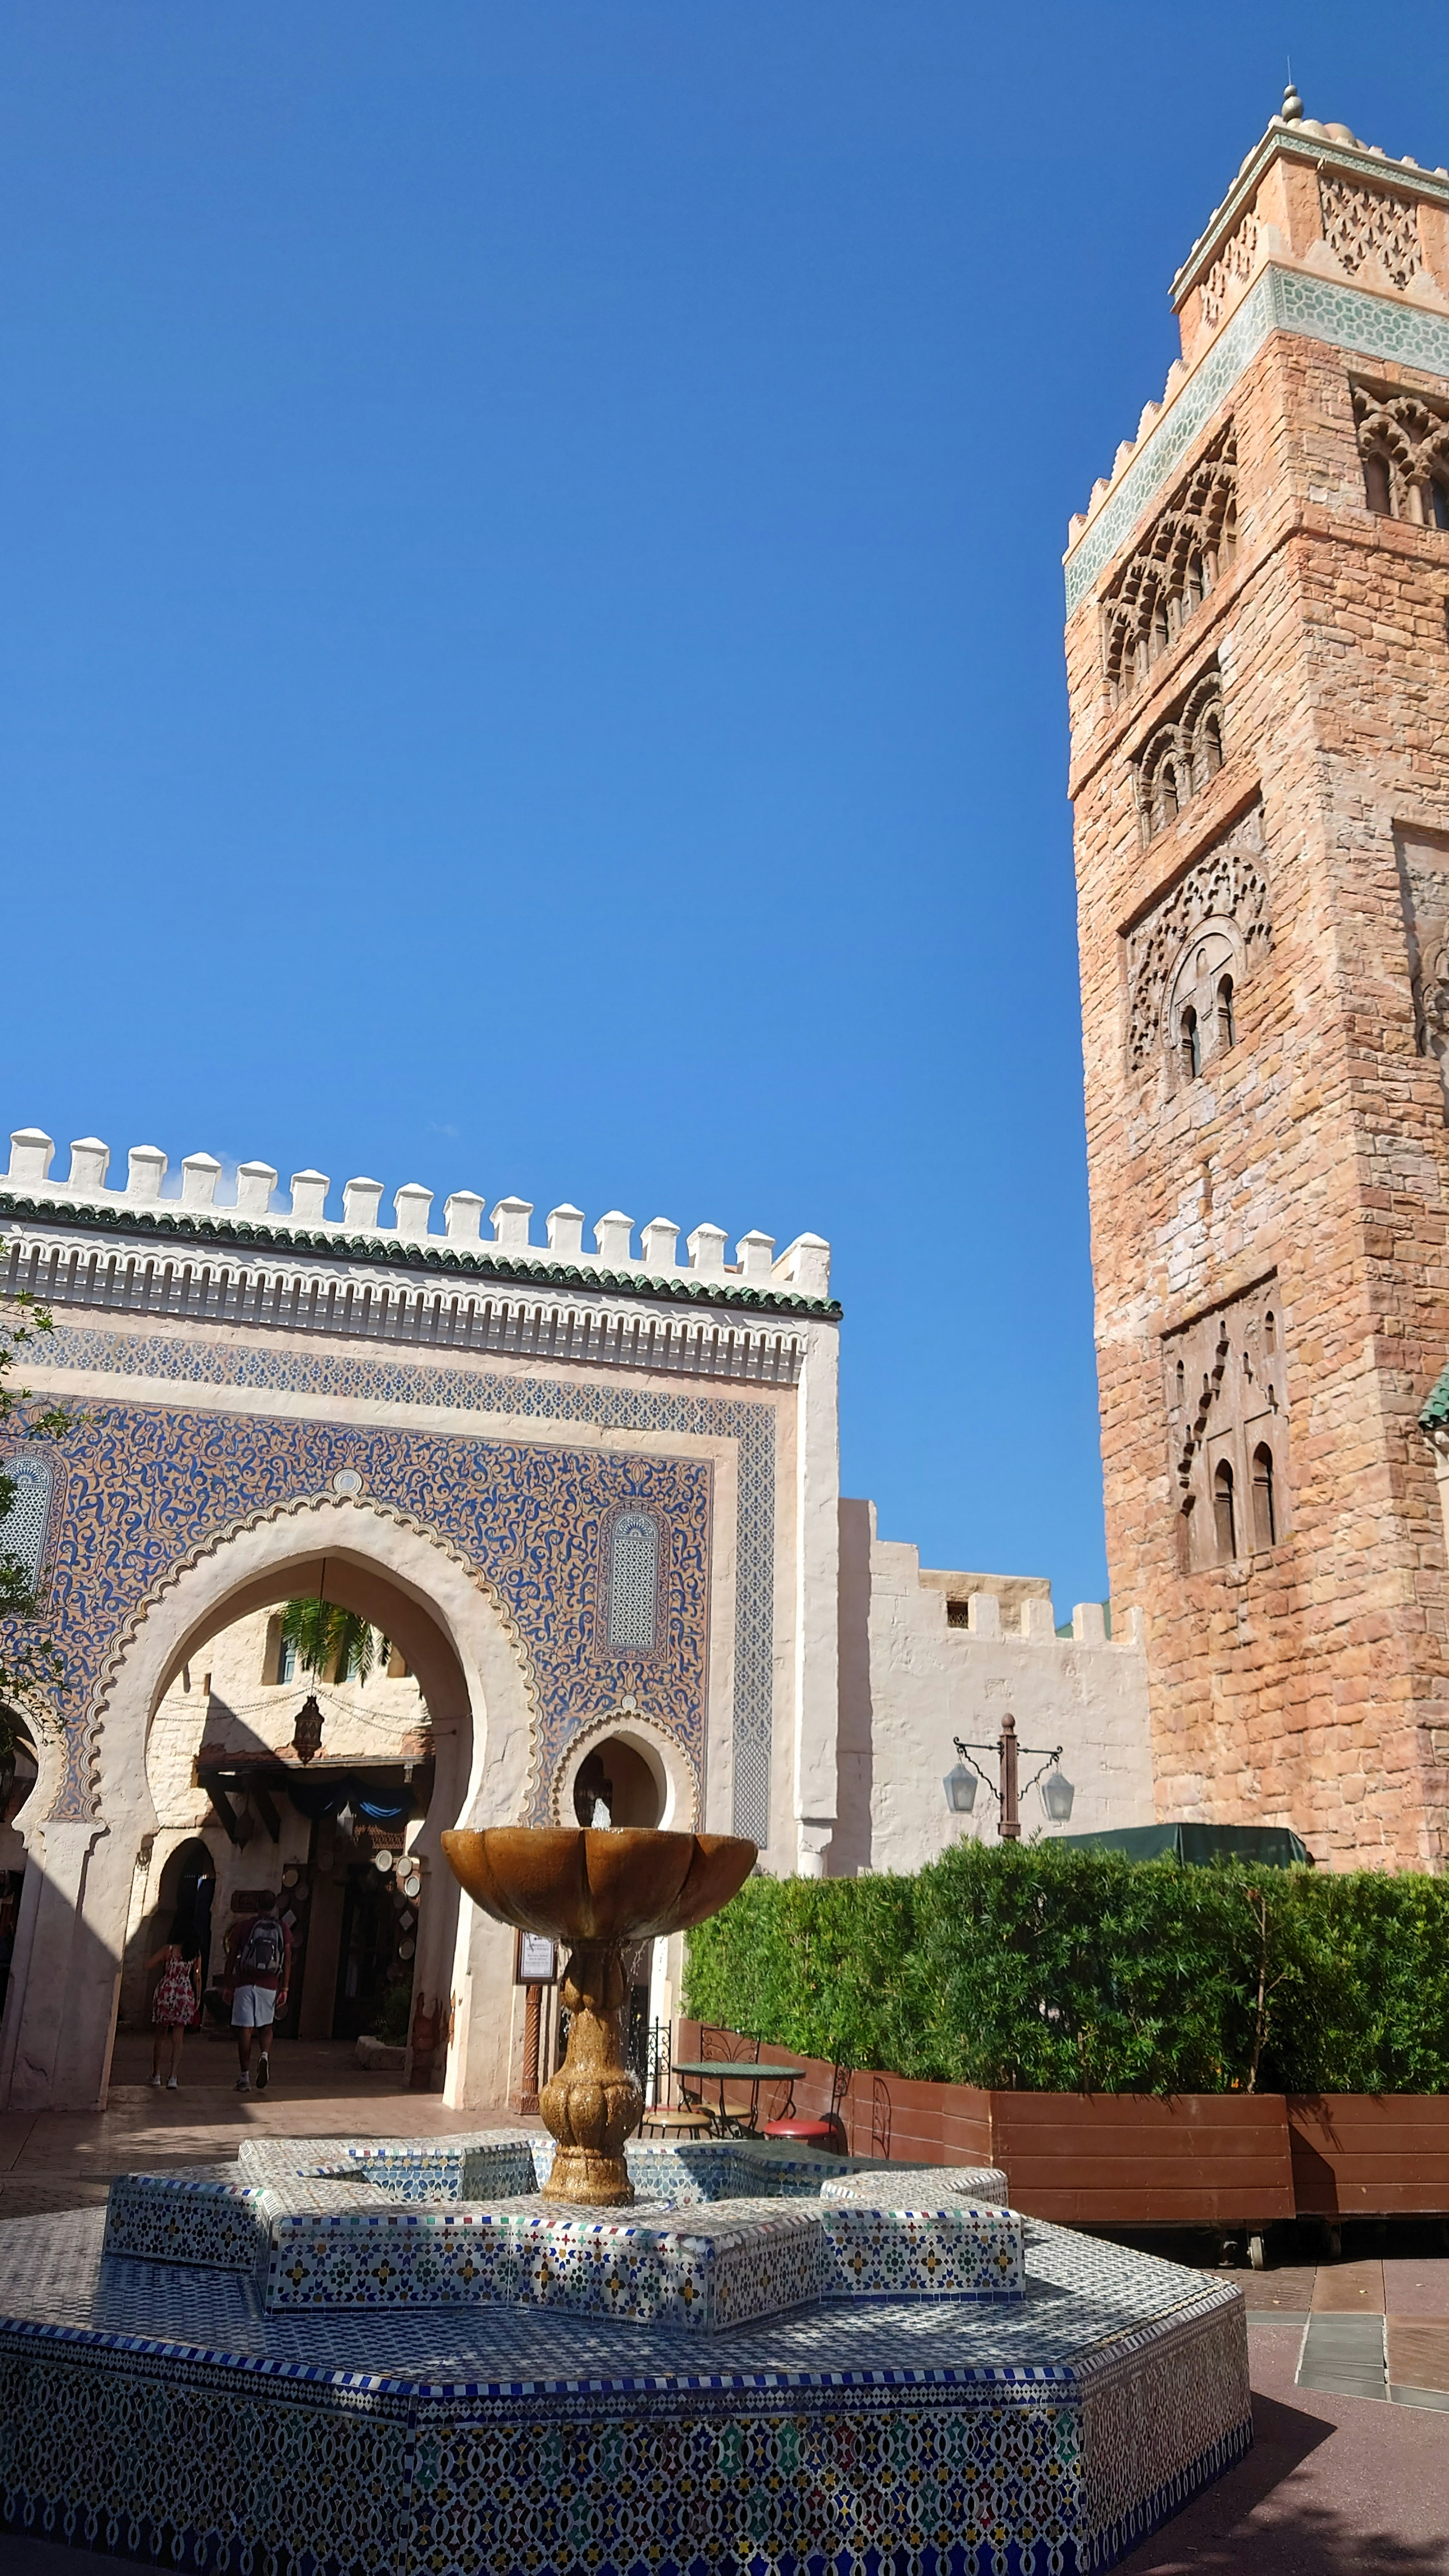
(175, 2007)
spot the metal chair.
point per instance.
(825, 2130)
(880, 2118)
(733, 2119)
(683, 2119)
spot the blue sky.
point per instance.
(531, 621)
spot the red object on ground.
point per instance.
(829, 2134)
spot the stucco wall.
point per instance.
(909, 1682)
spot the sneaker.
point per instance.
(171, 2084)
(264, 2069)
(243, 2084)
(155, 2083)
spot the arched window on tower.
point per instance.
(1224, 1518)
(1227, 1026)
(1191, 1044)
(1265, 1517)
(1378, 491)
(1181, 1383)
(1270, 1331)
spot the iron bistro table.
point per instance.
(737, 2070)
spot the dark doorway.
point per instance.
(368, 1965)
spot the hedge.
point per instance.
(1027, 1967)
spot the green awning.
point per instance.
(1263, 1846)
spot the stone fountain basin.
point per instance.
(719, 2233)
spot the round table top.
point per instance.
(736, 2069)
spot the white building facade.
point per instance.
(591, 1496)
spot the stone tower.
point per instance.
(1258, 657)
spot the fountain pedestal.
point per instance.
(596, 1891)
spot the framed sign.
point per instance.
(537, 1961)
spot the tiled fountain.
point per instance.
(433, 2358)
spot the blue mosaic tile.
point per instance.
(1045, 2436)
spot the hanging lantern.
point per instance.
(307, 1733)
(1057, 1794)
(960, 1787)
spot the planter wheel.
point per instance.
(1255, 2252)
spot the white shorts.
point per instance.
(253, 2008)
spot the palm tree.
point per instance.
(333, 1644)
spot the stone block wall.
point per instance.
(1299, 1676)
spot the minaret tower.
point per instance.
(1258, 659)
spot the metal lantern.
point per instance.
(307, 1733)
(1057, 1794)
(960, 1787)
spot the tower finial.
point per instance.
(1292, 108)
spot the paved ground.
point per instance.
(1349, 2475)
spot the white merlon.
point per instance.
(199, 1176)
(983, 1614)
(463, 1216)
(361, 1200)
(659, 1244)
(510, 1224)
(803, 1268)
(1038, 1619)
(613, 1234)
(411, 1207)
(89, 1163)
(1089, 1624)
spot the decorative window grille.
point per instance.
(634, 1582)
(22, 1530)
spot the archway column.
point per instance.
(66, 1973)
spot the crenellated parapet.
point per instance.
(258, 1212)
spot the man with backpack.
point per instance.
(260, 1968)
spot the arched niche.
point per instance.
(649, 1755)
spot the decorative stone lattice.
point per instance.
(1229, 883)
(1183, 557)
(1232, 266)
(22, 1529)
(1361, 223)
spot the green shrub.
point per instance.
(1027, 1966)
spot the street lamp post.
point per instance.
(960, 1784)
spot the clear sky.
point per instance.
(531, 612)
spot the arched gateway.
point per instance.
(590, 1503)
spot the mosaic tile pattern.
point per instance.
(960, 2251)
(181, 2218)
(1282, 299)
(949, 2182)
(397, 2224)
(938, 2439)
(750, 1425)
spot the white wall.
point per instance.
(910, 1682)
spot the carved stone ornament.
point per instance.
(1362, 224)
(1220, 908)
(1182, 558)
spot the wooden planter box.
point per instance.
(1089, 2159)
(1134, 2160)
(1382, 2155)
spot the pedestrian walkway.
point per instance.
(1375, 2328)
